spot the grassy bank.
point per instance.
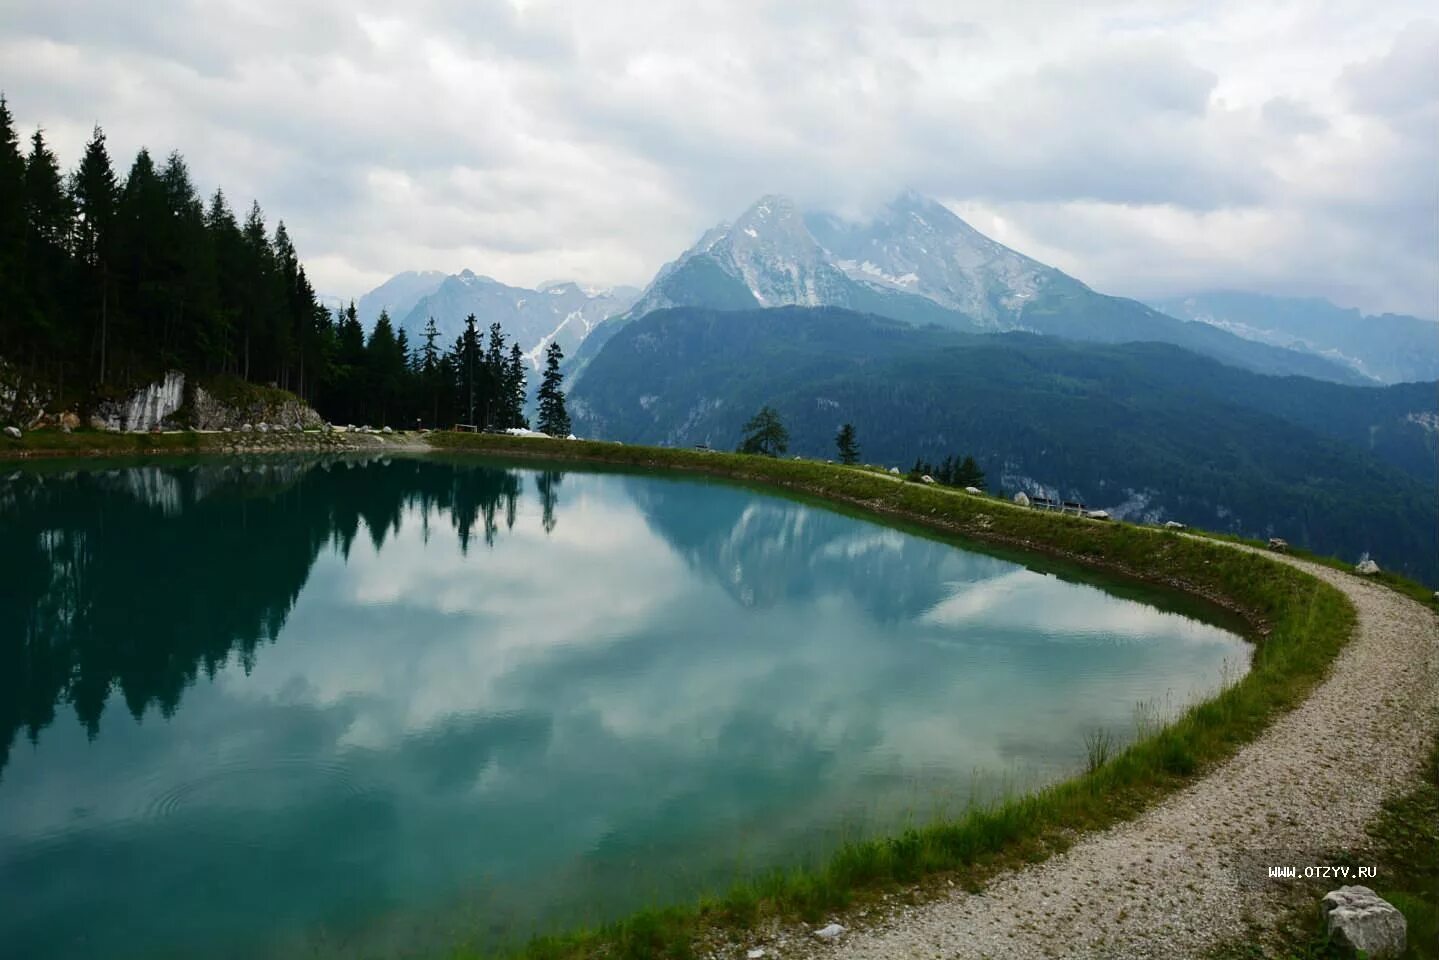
(103, 443)
(100, 443)
(1412, 589)
(1297, 623)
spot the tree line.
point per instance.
(107, 281)
(765, 434)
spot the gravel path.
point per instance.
(1191, 872)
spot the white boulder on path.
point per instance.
(1361, 919)
(1366, 567)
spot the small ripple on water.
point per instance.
(252, 786)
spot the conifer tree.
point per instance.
(468, 363)
(493, 381)
(844, 441)
(428, 362)
(14, 295)
(224, 245)
(257, 269)
(96, 198)
(554, 419)
(968, 474)
(46, 251)
(350, 362)
(515, 382)
(386, 366)
(765, 434)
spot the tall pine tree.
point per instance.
(47, 255)
(845, 443)
(96, 200)
(14, 295)
(554, 419)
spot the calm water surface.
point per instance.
(303, 707)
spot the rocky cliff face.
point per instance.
(168, 404)
(148, 408)
(209, 412)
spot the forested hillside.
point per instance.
(108, 279)
(1146, 430)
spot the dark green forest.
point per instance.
(109, 278)
(1338, 469)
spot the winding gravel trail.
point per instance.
(1190, 872)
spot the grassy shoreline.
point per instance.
(1298, 624)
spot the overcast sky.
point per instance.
(1148, 149)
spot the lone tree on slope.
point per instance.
(554, 419)
(765, 434)
(845, 442)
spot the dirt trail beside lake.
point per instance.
(1191, 873)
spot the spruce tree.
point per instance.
(467, 365)
(47, 228)
(765, 434)
(428, 360)
(223, 233)
(96, 198)
(844, 441)
(14, 282)
(515, 382)
(138, 264)
(493, 381)
(350, 363)
(968, 474)
(554, 419)
(256, 269)
(386, 366)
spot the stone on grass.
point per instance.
(894, 471)
(755, 954)
(13, 433)
(1022, 498)
(386, 429)
(1360, 919)
(1367, 567)
(832, 931)
(1173, 525)
(926, 479)
(974, 490)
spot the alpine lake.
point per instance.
(303, 706)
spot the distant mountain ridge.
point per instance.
(1145, 430)
(534, 317)
(1391, 348)
(918, 262)
(398, 295)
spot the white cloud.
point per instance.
(1147, 148)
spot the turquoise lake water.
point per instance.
(308, 707)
